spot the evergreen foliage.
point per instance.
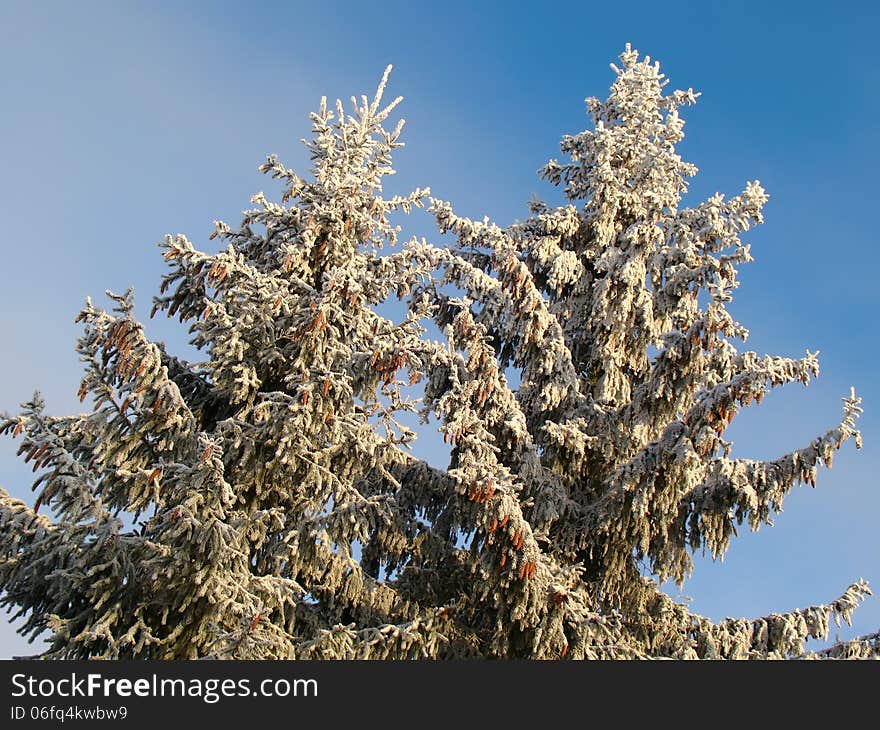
(278, 511)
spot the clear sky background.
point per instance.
(122, 122)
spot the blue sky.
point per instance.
(124, 122)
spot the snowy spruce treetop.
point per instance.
(278, 511)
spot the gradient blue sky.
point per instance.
(123, 122)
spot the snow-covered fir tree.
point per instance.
(275, 509)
